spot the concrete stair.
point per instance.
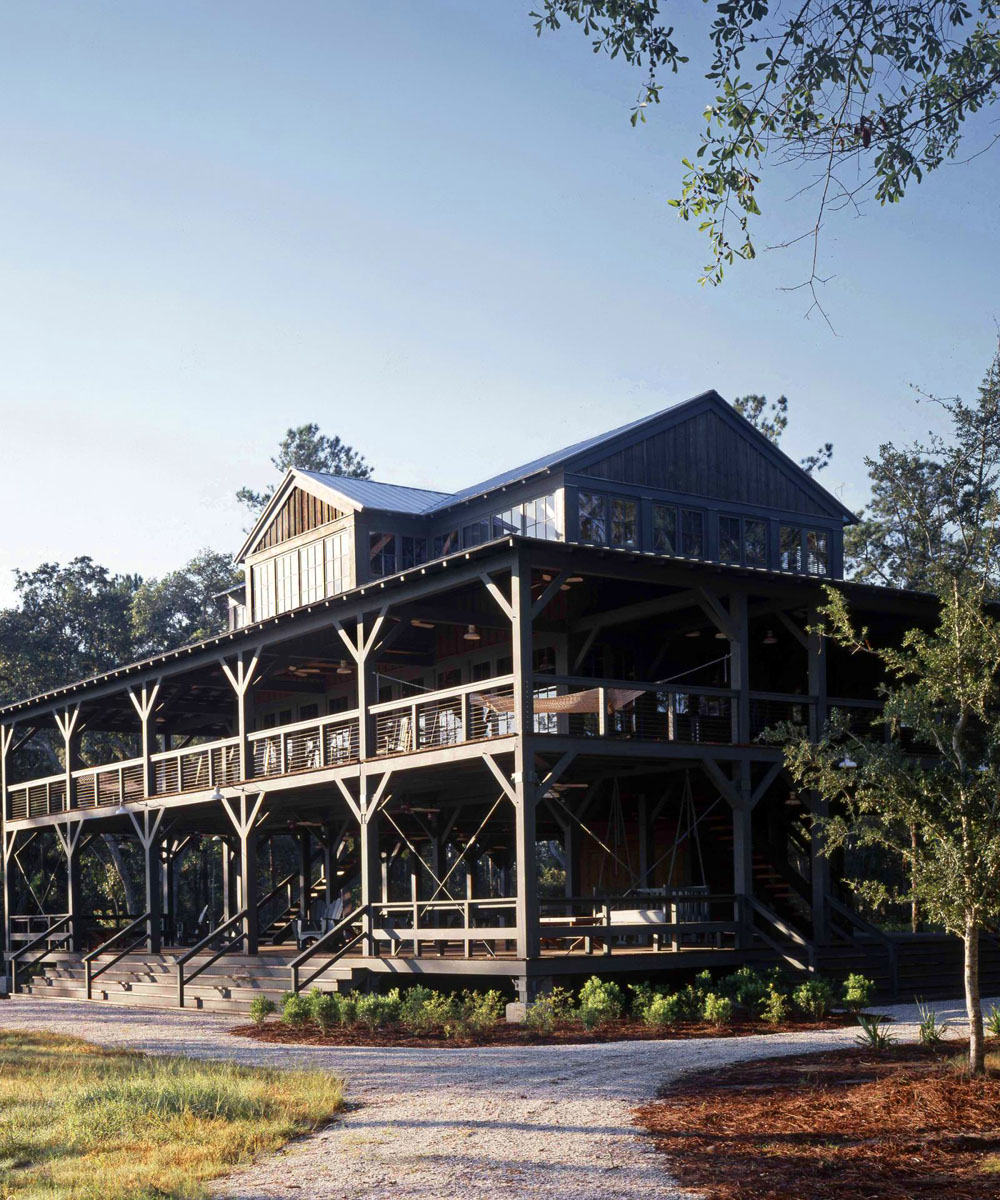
(229, 985)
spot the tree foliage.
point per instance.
(933, 503)
(772, 421)
(868, 95)
(305, 447)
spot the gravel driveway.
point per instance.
(550, 1122)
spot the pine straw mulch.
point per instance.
(904, 1125)
(502, 1034)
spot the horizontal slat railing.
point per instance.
(469, 713)
(624, 708)
(330, 741)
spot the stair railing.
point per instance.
(181, 962)
(45, 936)
(93, 972)
(787, 931)
(295, 966)
(873, 932)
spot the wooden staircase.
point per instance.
(229, 985)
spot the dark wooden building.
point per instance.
(511, 732)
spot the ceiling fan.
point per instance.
(304, 671)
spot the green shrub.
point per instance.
(858, 992)
(413, 1011)
(601, 1001)
(541, 1016)
(324, 1009)
(665, 1010)
(377, 1010)
(473, 1013)
(716, 1009)
(295, 1011)
(774, 1008)
(562, 1002)
(261, 1007)
(643, 995)
(814, 998)
(745, 988)
(992, 1022)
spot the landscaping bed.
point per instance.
(736, 1005)
(566, 1032)
(902, 1124)
(84, 1122)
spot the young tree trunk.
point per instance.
(914, 903)
(973, 1001)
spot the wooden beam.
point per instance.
(658, 606)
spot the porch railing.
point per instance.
(93, 972)
(57, 933)
(330, 741)
(469, 713)
(332, 938)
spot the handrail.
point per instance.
(451, 693)
(17, 955)
(209, 937)
(337, 718)
(297, 983)
(645, 685)
(873, 932)
(784, 928)
(88, 959)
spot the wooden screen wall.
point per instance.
(300, 513)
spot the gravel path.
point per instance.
(550, 1122)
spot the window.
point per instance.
(730, 549)
(540, 518)
(338, 562)
(790, 547)
(311, 572)
(381, 554)
(817, 552)
(412, 552)
(308, 711)
(692, 533)
(445, 543)
(476, 533)
(263, 591)
(508, 522)
(286, 589)
(755, 543)
(624, 523)
(664, 529)
(593, 520)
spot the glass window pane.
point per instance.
(624, 524)
(412, 552)
(755, 543)
(692, 533)
(263, 591)
(790, 548)
(445, 543)
(506, 523)
(311, 572)
(286, 592)
(593, 520)
(337, 548)
(381, 554)
(817, 551)
(476, 533)
(540, 518)
(729, 540)
(664, 529)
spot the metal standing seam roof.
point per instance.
(369, 493)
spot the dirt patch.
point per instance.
(844, 1125)
(565, 1033)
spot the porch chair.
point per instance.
(323, 915)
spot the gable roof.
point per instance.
(346, 492)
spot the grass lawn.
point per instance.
(79, 1120)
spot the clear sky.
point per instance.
(420, 226)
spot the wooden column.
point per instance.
(147, 826)
(366, 809)
(6, 740)
(144, 701)
(361, 646)
(242, 677)
(739, 649)
(743, 853)
(66, 722)
(229, 903)
(304, 871)
(9, 843)
(819, 863)
(524, 779)
(69, 838)
(247, 814)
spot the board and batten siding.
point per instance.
(706, 456)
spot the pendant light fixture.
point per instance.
(471, 634)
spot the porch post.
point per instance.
(242, 677)
(9, 842)
(739, 650)
(743, 852)
(524, 778)
(247, 888)
(147, 828)
(74, 892)
(819, 863)
(304, 872)
(6, 738)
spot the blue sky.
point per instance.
(420, 226)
